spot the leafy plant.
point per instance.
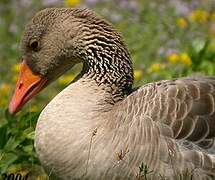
(16, 143)
(143, 172)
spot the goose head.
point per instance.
(56, 39)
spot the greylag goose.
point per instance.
(99, 127)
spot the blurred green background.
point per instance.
(166, 39)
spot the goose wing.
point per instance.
(185, 105)
(170, 122)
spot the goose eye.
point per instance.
(34, 45)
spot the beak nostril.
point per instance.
(20, 85)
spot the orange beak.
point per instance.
(28, 85)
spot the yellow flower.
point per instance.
(199, 16)
(42, 177)
(34, 108)
(173, 58)
(185, 58)
(14, 169)
(4, 91)
(64, 80)
(182, 23)
(4, 88)
(156, 67)
(23, 172)
(71, 3)
(3, 102)
(138, 74)
(14, 78)
(15, 68)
